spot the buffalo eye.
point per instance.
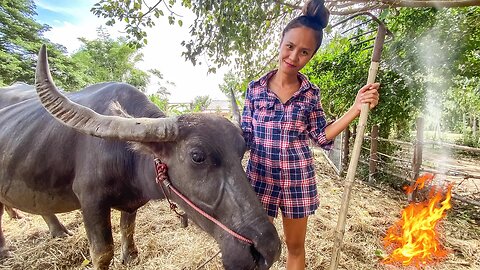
(198, 156)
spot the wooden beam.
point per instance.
(354, 6)
(433, 3)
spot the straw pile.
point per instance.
(163, 244)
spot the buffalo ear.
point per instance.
(117, 110)
(152, 149)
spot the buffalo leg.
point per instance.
(13, 213)
(3, 249)
(55, 227)
(127, 230)
(99, 233)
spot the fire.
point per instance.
(414, 238)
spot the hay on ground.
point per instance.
(163, 244)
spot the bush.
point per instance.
(468, 139)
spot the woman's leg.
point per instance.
(295, 231)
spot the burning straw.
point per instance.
(414, 239)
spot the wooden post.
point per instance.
(417, 157)
(418, 152)
(372, 168)
(474, 127)
(345, 150)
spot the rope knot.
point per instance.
(162, 170)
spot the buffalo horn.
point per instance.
(235, 111)
(89, 122)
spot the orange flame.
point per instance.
(414, 239)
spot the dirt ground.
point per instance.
(163, 244)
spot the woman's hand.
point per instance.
(367, 94)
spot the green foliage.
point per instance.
(106, 59)
(20, 39)
(341, 69)
(462, 98)
(222, 30)
(135, 14)
(103, 59)
(432, 62)
(433, 49)
(233, 82)
(437, 52)
(162, 84)
(200, 103)
(161, 102)
(160, 97)
(462, 103)
(178, 109)
(469, 139)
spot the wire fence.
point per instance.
(408, 160)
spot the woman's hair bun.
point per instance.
(316, 10)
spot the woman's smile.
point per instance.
(289, 65)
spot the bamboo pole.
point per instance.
(372, 74)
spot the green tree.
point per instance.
(107, 59)
(20, 39)
(161, 95)
(162, 103)
(200, 103)
(246, 31)
(461, 103)
(340, 70)
(163, 85)
(424, 67)
(235, 83)
(436, 51)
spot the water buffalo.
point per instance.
(94, 150)
(14, 94)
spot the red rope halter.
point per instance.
(162, 178)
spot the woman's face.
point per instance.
(297, 48)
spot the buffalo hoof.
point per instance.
(13, 213)
(5, 253)
(61, 233)
(130, 257)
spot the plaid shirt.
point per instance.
(278, 135)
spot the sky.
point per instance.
(72, 19)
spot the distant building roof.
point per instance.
(218, 106)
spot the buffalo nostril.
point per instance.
(255, 254)
(260, 261)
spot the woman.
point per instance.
(282, 112)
